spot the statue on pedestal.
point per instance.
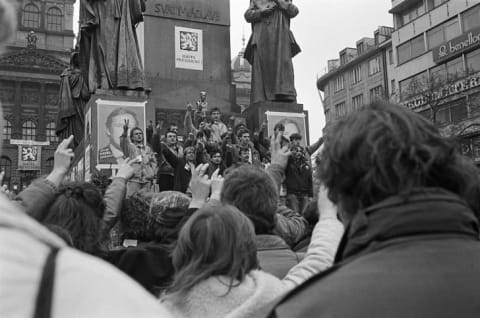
(270, 50)
(109, 52)
(73, 97)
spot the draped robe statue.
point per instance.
(73, 97)
(109, 52)
(270, 50)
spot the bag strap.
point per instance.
(43, 305)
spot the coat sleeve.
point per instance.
(113, 198)
(37, 198)
(320, 254)
(253, 14)
(290, 225)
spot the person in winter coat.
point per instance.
(410, 203)
(217, 271)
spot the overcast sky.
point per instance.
(322, 29)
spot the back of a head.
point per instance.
(168, 212)
(79, 208)
(384, 150)
(253, 192)
(218, 240)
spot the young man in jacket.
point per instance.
(410, 203)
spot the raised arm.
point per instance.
(188, 123)
(312, 148)
(288, 7)
(254, 14)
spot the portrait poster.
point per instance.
(111, 117)
(29, 157)
(88, 175)
(188, 48)
(88, 126)
(293, 122)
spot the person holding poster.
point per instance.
(270, 50)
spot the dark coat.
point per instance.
(274, 255)
(419, 258)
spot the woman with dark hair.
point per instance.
(217, 272)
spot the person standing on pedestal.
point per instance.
(270, 50)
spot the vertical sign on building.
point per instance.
(188, 48)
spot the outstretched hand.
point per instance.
(63, 156)
(125, 170)
(199, 183)
(280, 154)
(216, 184)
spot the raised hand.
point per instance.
(125, 126)
(199, 185)
(63, 156)
(279, 154)
(125, 170)
(216, 182)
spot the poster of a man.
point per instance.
(292, 123)
(111, 119)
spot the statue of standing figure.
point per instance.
(73, 98)
(109, 52)
(270, 50)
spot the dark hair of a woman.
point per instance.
(218, 240)
(79, 208)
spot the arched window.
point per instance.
(54, 19)
(31, 16)
(51, 136)
(49, 165)
(6, 166)
(29, 130)
(7, 130)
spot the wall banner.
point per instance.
(188, 48)
(29, 157)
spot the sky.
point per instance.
(322, 29)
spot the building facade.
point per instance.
(436, 48)
(29, 86)
(241, 78)
(358, 76)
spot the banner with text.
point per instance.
(29, 157)
(188, 48)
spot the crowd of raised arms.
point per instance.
(390, 228)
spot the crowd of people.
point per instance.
(393, 230)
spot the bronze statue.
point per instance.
(109, 52)
(270, 50)
(73, 97)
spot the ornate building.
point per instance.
(241, 78)
(29, 84)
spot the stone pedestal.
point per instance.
(104, 118)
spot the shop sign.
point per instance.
(457, 46)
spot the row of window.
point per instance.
(438, 35)
(454, 113)
(25, 176)
(340, 109)
(31, 17)
(29, 131)
(441, 75)
(417, 9)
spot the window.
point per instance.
(31, 16)
(49, 165)
(431, 4)
(54, 19)
(390, 57)
(7, 130)
(339, 83)
(6, 166)
(452, 113)
(411, 13)
(376, 93)
(343, 58)
(410, 49)
(443, 33)
(29, 130)
(356, 74)
(374, 66)
(340, 110)
(357, 102)
(471, 18)
(392, 87)
(412, 85)
(455, 68)
(360, 48)
(51, 136)
(473, 61)
(427, 113)
(328, 115)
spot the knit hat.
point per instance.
(168, 211)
